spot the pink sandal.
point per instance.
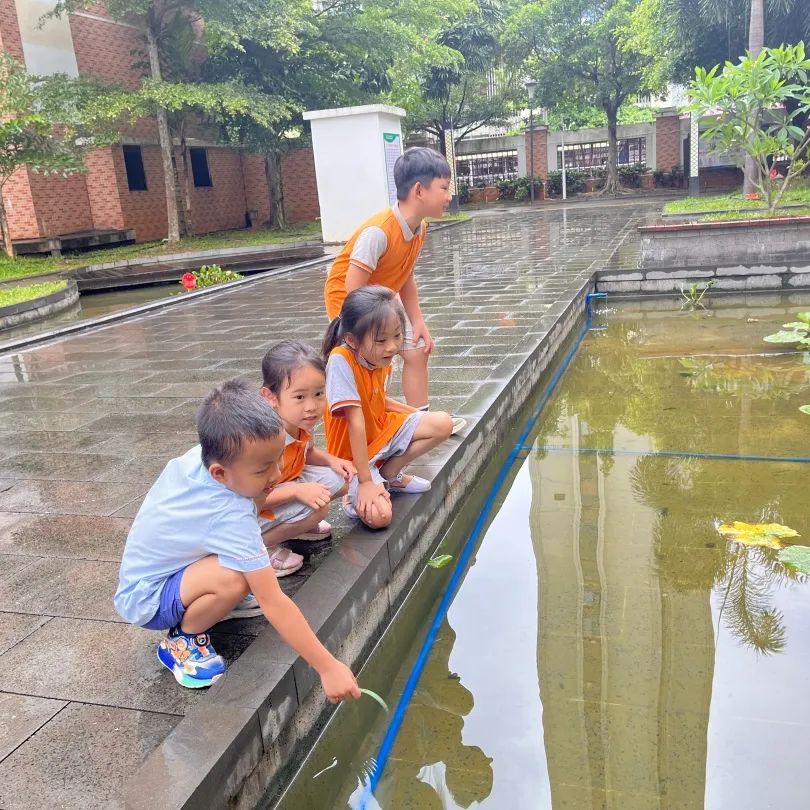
(284, 561)
(321, 532)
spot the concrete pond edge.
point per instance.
(256, 723)
(37, 309)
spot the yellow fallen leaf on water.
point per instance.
(756, 534)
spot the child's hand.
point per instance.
(339, 683)
(368, 498)
(312, 494)
(343, 467)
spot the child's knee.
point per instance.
(443, 423)
(234, 582)
(381, 517)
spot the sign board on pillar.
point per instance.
(355, 149)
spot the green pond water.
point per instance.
(607, 647)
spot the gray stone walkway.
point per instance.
(87, 423)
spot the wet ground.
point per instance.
(89, 421)
(608, 648)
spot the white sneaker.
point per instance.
(415, 486)
(246, 609)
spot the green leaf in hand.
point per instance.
(376, 697)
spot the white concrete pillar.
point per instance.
(355, 149)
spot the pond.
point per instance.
(608, 647)
(93, 305)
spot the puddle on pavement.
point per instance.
(607, 647)
(93, 305)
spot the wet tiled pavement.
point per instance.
(87, 422)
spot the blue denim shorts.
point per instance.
(171, 609)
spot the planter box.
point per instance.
(487, 194)
(773, 242)
(35, 309)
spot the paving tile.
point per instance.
(15, 627)
(72, 536)
(59, 466)
(91, 653)
(81, 758)
(22, 716)
(72, 441)
(68, 497)
(53, 586)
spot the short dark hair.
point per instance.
(284, 358)
(232, 414)
(418, 165)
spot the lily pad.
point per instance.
(796, 557)
(805, 408)
(784, 337)
(440, 561)
(795, 326)
(804, 317)
(768, 535)
(374, 696)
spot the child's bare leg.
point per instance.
(415, 377)
(289, 531)
(209, 591)
(434, 427)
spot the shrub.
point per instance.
(630, 176)
(208, 276)
(463, 193)
(574, 182)
(522, 193)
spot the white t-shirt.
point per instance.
(186, 516)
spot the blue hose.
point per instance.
(416, 671)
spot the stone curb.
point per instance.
(39, 308)
(259, 719)
(152, 306)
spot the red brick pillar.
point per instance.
(668, 141)
(537, 139)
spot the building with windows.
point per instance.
(223, 186)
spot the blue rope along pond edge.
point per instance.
(416, 671)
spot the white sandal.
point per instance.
(415, 486)
(322, 531)
(288, 561)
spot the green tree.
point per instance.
(41, 128)
(755, 105)
(171, 28)
(473, 92)
(588, 49)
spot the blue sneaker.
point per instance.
(190, 658)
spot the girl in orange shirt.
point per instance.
(363, 424)
(293, 383)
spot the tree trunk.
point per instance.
(8, 247)
(187, 226)
(165, 143)
(612, 185)
(275, 188)
(756, 42)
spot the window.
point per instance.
(199, 167)
(133, 161)
(585, 155)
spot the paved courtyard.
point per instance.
(88, 421)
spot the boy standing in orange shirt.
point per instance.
(384, 250)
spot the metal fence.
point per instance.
(487, 168)
(589, 155)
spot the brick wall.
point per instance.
(540, 136)
(668, 149)
(221, 206)
(10, 30)
(300, 187)
(102, 189)
(22, 216)
(725, 177)
(257, 196)
(61, 203)
(145, 211)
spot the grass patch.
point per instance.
(25, 292)
(451, 217)
(34, 265)
(798, 193)
(729, 216)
